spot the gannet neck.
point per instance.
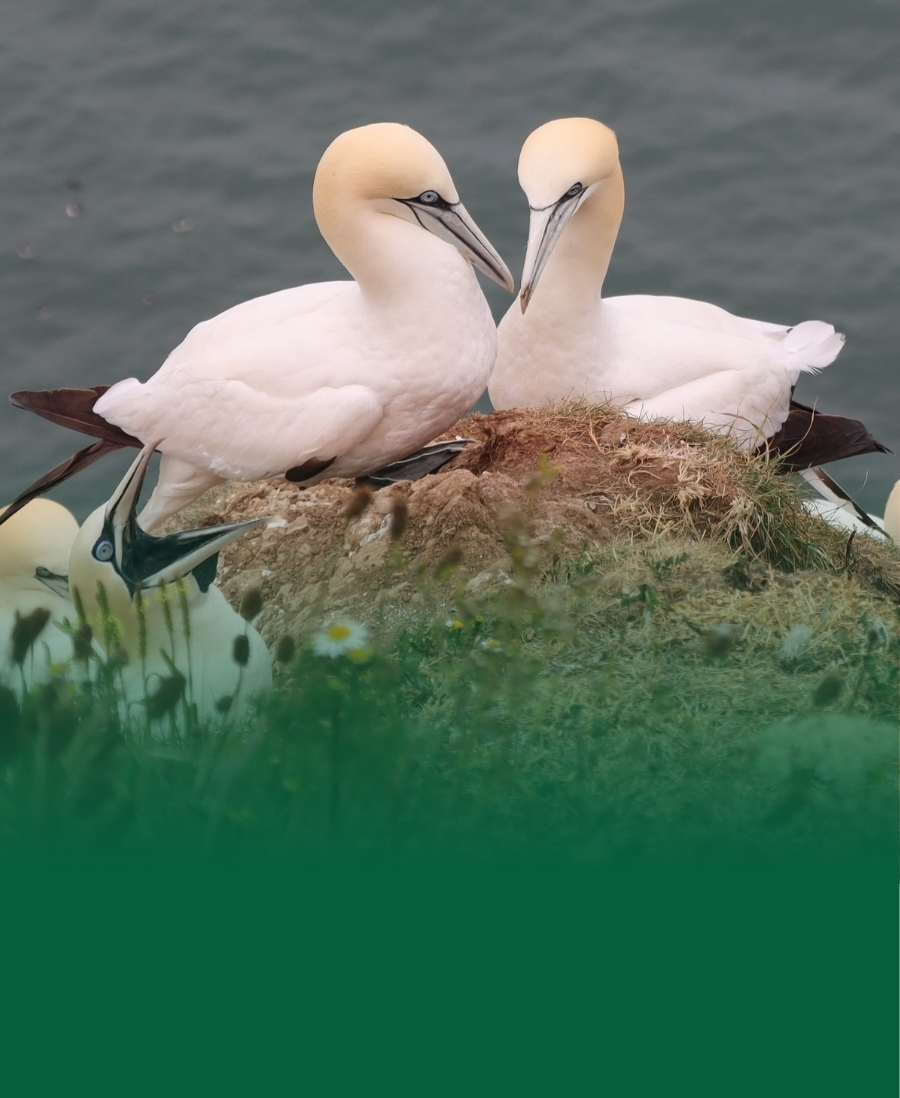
(376, 189)
(570, 172)
(393, 262)
(577, 267)
(892, 513)
(87, 576)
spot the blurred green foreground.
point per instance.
(637, 702)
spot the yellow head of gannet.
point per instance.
(389, 169)
(112, 551)
(36, 542)
(565, 166)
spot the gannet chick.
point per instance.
(34, 562)
(113, 561)
(658, 357)
(332, 379)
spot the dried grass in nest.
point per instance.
(667, 477)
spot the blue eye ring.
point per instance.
(430, 198)
(103, 550)
(574, 190)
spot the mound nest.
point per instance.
(541, 485)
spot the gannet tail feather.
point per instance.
(74, 408)
(829, 488)
(809, 438)
(813, 344)
(61, 472)
(428, 460)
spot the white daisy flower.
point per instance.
(341, 638)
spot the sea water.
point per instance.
(156, 163)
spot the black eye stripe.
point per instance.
(574, 190)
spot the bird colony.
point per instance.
(356, 379)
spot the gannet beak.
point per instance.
(452, 222)
(146, 561)
(544, 230)
(58, 584)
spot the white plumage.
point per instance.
(358, 374)
(659, 357)
(35, 542)
(197, 635)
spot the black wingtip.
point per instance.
(430, 459)
(809, 438)
(68, 468)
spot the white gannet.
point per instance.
(892, 514)
(329, 379)
(657, 357)
(34, 561)
(113, 561)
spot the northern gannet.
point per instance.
(657, 357)
(34, 562)
(329, 379)
(159, 592)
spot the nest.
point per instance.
(543, 486)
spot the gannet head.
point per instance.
(394, 170)
(561, 164)
(36, 542)
(113, 550)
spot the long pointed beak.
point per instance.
(145, 560)
(544, 230)
(58, 584)
(455, 225)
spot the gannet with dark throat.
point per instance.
(114, 561)
(657, 357)
(329, 379)
(34, 563)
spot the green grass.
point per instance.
(630, 702)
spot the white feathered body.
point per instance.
(53, 648)
(658, 357)
(205, 657)
(320, 372)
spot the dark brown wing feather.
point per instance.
(811, 438)
(73, 408)
(61, 472)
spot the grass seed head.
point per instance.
(251, 604)
(240, 650)
(26, 631)
(399, 519)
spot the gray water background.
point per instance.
(760, 144)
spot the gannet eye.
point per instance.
(103, 550)
(575, 189)
(429, 197)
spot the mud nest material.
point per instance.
(546, 485)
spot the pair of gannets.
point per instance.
(148, 600)
(339, 379)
